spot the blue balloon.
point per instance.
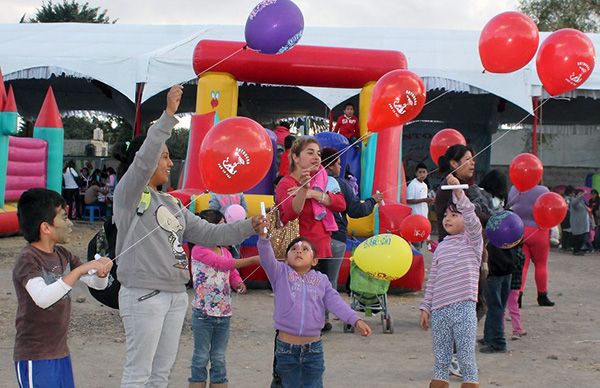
(274, 26)
(505, 229)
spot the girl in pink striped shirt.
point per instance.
(451, 291)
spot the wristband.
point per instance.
(322, 197)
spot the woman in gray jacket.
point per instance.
(152, 264)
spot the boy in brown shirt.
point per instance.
(43, 276)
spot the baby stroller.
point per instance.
(369, 295)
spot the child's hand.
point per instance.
(241, 288)
(363, 328)
(101, 265)
(424, 320)
(452, 180)
(260, 225)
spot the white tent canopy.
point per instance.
(159, 56)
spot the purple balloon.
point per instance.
(504, 229)
(274, 26)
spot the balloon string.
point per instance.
(332, 159)
(222, 60)
(335, 156)
(531, 235)
(495, 141)
(198, 196)
(259, 266)
(433, 99)
(155, 229)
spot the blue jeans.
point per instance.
(211, 335)
(497, 290)
(300, 365)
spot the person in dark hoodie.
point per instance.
(501, 263)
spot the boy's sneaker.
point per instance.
(454, 368)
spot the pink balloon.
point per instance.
(235, 213)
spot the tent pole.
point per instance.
(139, 90)
(535, 124)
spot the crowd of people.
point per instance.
(469, 277)
(87, 187)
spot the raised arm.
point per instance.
(267, 259)
(130, 187)
(473, 227)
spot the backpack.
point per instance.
(104, 243)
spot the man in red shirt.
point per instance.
(284, 161)
(347, 124)
(282, 130)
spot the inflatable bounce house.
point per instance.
(27, 162)
(378, 165)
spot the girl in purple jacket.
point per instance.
(301, 297)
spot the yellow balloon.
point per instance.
(385, 256)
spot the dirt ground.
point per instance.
(562, 347)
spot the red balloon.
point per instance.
(415, 228)
(525, 171)
(549, 210)
(565, 61)
(235, 155)
(398, 97)
(508, 42)
(443, 140)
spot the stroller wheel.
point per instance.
(348, 328)
(388, 326)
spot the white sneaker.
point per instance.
(454, 368)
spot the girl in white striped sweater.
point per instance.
(451, 292)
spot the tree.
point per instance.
(552, 15)
(69, 12)
(178, 143)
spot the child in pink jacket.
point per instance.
(215, 273)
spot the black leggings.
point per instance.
(577, 240)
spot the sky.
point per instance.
(438, 14)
